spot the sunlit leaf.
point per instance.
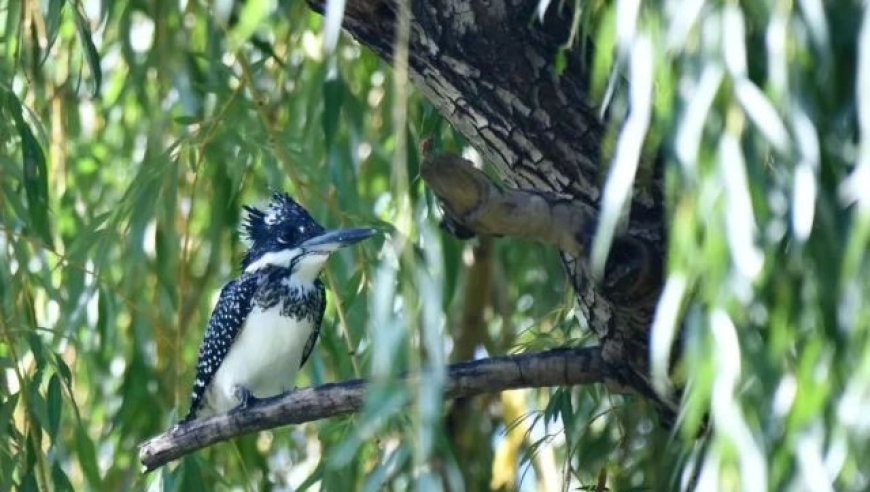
(251, 16)
(90, 51)
(333, 93)
(54, 403)
(37, 348)
(53, 19)
(332, 25)
(87, 456)
(312, 479)
(542, 8)
(34, 172)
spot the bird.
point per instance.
(266, 321)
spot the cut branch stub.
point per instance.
(474, 201)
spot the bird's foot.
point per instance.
(190, 417)
(245, 397)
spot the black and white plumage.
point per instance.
(266, 321)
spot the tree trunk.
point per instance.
(488, 68)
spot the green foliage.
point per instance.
(760, 107)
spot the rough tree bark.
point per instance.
(488, 67)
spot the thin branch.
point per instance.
(559, 367)
(476, 203)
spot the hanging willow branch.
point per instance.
(559, 367)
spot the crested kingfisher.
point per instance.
(265, 322)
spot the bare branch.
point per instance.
(475, 202)
(559, 367)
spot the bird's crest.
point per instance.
(282, 224)
(258, 222)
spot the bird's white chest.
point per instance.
(264, 358)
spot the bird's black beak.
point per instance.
(330, 241)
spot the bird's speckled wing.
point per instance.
(227, 319)
(320, 298)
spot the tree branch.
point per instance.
(474, 201)
(559, 367)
